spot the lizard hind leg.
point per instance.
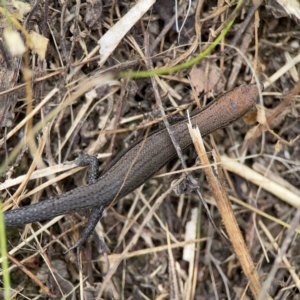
(96, 212)
(95, 216)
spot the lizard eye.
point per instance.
(234, 105)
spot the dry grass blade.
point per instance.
(227, 215)
(32, 276)
(262, 181)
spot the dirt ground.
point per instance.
(67, 89)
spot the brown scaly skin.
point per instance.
(123, 176)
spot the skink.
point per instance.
(123, 176)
